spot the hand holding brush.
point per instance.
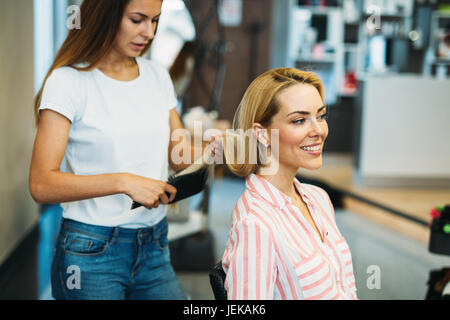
(189, 181)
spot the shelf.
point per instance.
(327, 59)
(389, 16)
(351, 46)
(348, 95)
(444, 15)
(317, 61)
(441, 61)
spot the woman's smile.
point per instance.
(302, 127)
(315, 150)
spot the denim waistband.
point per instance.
(115, 233)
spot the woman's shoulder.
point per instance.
(67, 74)
(255, 200)
(153, 66)
(66, 80)
(251, 206)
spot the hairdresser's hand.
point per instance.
(148, 192)
(215, 147)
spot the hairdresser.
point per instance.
(111, 113)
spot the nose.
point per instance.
(317, 128)
(148, 32)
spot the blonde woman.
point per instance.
(284, 242)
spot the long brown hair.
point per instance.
(101, 20)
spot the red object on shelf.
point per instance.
(350, 83)
(435, 213)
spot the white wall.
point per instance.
(18, 212)
(405, 128)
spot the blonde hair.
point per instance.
(259, 105)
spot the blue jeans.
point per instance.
(112, 263)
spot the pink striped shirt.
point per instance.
(274, 253)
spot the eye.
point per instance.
(324, 116)
(299, 121)
(136, 21)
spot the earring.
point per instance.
(264, 144)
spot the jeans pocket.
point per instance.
(81, 244)
(162, 240)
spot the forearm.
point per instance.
(59, 187)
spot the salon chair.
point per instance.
(217, 281)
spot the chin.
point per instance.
(311, 165)
(130, 53)
(134, 54)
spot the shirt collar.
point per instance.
(270, 193)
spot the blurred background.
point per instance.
(386, 161)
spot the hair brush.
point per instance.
(188, 182)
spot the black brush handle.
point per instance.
(187, 185)
(137, 204)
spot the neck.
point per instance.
(283, 180)
(116, 62)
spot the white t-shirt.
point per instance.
(117, 126)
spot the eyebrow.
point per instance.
(306, 112)
(144, 16)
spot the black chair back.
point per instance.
(217, 280)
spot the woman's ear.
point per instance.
(261, 134)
